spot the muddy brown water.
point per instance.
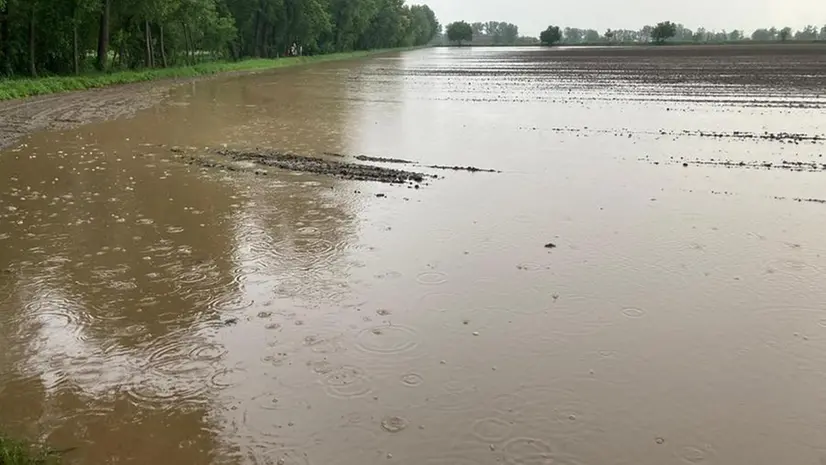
(158, 312)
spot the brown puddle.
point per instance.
(157, 312)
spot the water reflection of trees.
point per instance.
(303, 110)
(126, 259)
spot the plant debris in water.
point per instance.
(471, 169)
(340, 169)
(14, 452)
(383, 160)
(240, 160)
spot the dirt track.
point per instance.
(67, 110)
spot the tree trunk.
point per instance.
(265, 42)
(103, 36)
(258, 49)
(163, 49)
(74, 47)
(121, 54)
(5, 42)
(151, 47)
(186, 43)
(190, 53)
(147, 38)
(32, 56)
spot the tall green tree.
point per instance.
(550, 36)
(459, 32)
(57, 36)
(663, 31)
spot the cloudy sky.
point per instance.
(532, 16)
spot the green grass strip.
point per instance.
(14, 452)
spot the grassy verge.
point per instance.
(13, 452)
(21, 88)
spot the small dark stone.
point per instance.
(380, 195)
(550, 245)
(685, 165)
(231, 322)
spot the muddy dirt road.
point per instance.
(639, 281)
(19, 118)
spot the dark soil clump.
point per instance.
(339, 169)
(383, 160)
(471, 169)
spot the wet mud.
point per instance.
(234, 159)
(789, 165)
(781, 137)
(19, 118)
(254, 160)
(383, 160)
(470, 169)
(641, 284)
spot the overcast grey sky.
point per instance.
(532, 16)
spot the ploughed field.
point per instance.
(459, 255)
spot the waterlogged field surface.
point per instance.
(154, 310)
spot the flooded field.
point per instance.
(637, 281)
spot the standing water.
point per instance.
(640, 282)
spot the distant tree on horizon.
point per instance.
(459, 31)
(682, 34)
(663, 31)
(496, 33)
(551, 35)
(591, 36)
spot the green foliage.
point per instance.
(684, 35)
(502, 33)
(13, 452)
(60, 37)
(459, 32)
(663, 31)
(495, 33)
(551, 35)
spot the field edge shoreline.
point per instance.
(61, 110)
(22, 89)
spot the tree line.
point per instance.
(72, 36)
(487, 33)
(669, 31)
